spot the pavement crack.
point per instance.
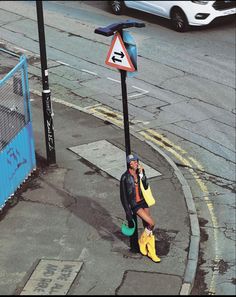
(217, 120)
(91, 288)
(171, 67)
(213, 178)
(185, 72)
(173, 77)
(218, 180)
(40, 202)
(168, 90)
(229, 232)
(199, 145)
(225, 147)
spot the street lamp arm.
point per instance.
(111, 29)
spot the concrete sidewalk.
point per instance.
(72, 212)
(63, 235)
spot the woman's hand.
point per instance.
(140, 168)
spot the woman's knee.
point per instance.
(146, 218)
(152, 224)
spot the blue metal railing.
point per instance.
(17, 150)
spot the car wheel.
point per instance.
(179, 21)
(117, 6)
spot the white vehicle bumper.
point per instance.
(214, 14)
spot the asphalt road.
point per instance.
(183, 96)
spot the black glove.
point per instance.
(130, 223)
(129, 217)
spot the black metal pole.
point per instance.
(46, 93)
(125, 111)
(134, 247)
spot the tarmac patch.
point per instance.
(163, 241)
(108, 157)
(52, 277)
(148, 283)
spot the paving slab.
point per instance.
(52, 277)
(108, 157)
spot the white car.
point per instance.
(181, 13)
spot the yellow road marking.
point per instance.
(166, 142)
(107, 114)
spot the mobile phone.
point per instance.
(139, 168)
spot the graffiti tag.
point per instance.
(15, 160)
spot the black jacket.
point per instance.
(128, 194)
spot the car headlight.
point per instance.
(200, 2)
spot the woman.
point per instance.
(134, 203)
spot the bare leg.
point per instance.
(144, 214)
(145, 224)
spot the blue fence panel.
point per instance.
(17, 151)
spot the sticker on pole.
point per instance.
(118, 56)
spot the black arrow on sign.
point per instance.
(115, 60)
(121, 54)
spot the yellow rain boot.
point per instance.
(152, 250)
(143, 240)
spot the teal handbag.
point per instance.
(126, 230)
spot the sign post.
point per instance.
(119, 58)
(125, 112)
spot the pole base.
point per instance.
(135, 250)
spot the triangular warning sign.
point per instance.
(118, 56)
